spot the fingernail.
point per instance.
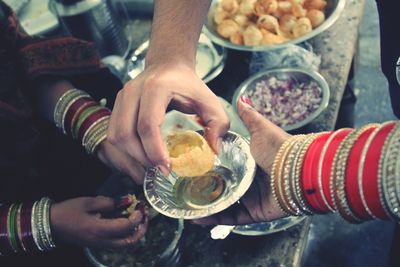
(245, 100)
(165, 169)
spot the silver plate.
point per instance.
(234, 155)
(210, 59)
(300, 75)
(333, 11)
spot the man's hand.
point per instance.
(140, 108)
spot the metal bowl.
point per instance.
(171, 255)
(333, 10)
(300, 75)
(235, 164)
(210, 59)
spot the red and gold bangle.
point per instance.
(90, 120)
(82, 117)
(276, 172)
(339, 175)
(75, 106)
(371, 190)
(298, 165)
(391, 199)
(327, 157)
(5, 247)
(351, 183)
(308, 177)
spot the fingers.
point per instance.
(250, 117)
(215, 119)
(100, 204)
(153, 105)
(122, 126)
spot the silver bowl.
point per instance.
(333, 10)
(300, 75)
(171, 256)
(234, 163)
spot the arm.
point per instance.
(175, 31)
(350, 171)
(169, 78)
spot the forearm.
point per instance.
(350, 171)
(175, 32)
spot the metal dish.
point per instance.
(300, 75)
(332, 12)
(210, 59)
(267, 228)
(234, 156)
(169, 257)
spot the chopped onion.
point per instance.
(285, 102)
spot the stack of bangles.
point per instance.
(78, 115)
(355, 172)
(25, 227)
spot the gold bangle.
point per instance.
(389, 172)
(275, 172)
(340, 196)
(320, 165)
(282, 181)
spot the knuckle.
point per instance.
(144, 127)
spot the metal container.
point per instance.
(93, 20)
(301, 75)
(234, 163)
(333, 10)
(170, 257)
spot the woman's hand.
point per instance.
(141, 105)
(120, 161)
(79, 221)
(257, 204)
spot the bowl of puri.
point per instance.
(260, 25)
(201, 182)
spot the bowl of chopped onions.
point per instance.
(289, 97)
(259, 25)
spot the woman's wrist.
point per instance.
(354, 177)
(78, 115)
(26, 227)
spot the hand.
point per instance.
(141, 105)
(257, 204)
(120, 161)
(78, 221)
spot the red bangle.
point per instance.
(309, 187)
(72, 110)
(351, 176)
(319, 145)
(327, 162)
(78, 112)
(26, 228)
(369, 188)
(92, 119)
(5, 247)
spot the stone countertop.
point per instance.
(336, 46)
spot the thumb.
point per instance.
(250, 117)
